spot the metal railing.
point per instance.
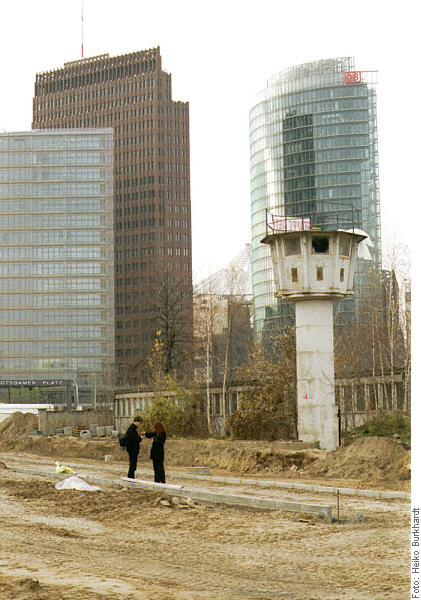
(322, 215)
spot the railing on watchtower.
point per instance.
(324, 215)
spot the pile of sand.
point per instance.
(236, 455)
(25, 589)
(370, 459)
(19, 425)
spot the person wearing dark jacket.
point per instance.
(133, 440)
(158, 435)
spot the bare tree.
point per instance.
(224, 336)
(172, 317)
(222, 325)
(204, 315)
(234, 299)
(268, 407)
(233, 344)
(397, 260)
(376, 342)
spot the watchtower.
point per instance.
(313, 267)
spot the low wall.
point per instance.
(122, 423)
(50, 421)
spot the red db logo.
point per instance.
(352, 76)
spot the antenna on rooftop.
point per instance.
(82, 27)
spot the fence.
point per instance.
(358, 399)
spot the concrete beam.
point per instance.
(250, 502)
(290, 485)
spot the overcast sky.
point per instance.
(221, 54)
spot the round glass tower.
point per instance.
(313, 154)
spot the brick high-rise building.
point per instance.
(152, 208)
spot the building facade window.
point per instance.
(59, 273)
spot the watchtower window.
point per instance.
(294, 275)
(341, 274)
(320, 244)
(292, 246)
(319, 274)
(345, 246)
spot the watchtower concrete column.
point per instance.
(316, 408)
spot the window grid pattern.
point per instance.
(313, 148)
(57, 257)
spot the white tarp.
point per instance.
(75, 483)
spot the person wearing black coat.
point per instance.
(158, 435)
(133, 445)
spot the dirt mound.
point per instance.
(224, 455)
(242, 456)
(369, 459)
(104, 505)
(25, 589)
(61, 448)
(18, 425)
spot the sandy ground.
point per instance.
(122, 544)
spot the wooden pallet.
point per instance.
(78, 429)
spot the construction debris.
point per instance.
(64, 469)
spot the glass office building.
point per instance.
(313, 154)
(152, 205)
(56, 260)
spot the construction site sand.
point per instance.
(116, 544)
(119, 545)
(373, 462)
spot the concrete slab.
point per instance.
(324, 489)
(347, 491)
(256, 503)
(153, 484)
(398, 495)
(198, 470)
(302, 486)
(368, 493)
(282, 484)
(298, 445)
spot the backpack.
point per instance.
(122, 440)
